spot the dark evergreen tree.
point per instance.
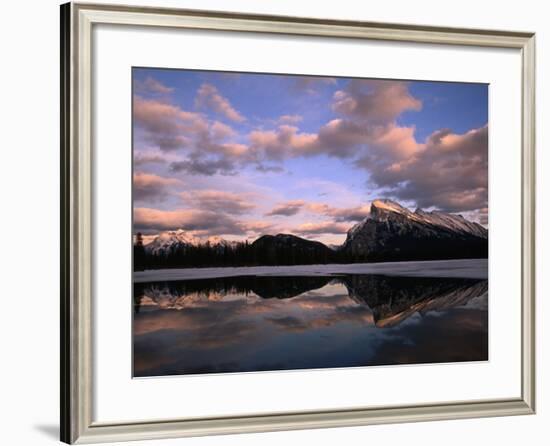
(139, 253)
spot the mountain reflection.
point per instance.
(252, 323)
(391, 299)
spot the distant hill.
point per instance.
(287, 249)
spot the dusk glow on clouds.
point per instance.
(241, 155)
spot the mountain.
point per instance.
(392, 232)
(394, 299)
(168, 242)
(195, 292)
(287, 249)
(390, 299)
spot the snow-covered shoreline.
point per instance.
(462, 268)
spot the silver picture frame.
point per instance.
(77, 389)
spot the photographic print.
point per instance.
(285, 222)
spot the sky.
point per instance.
(239, 155)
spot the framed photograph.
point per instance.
(314, 223)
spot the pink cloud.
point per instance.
(171, 128)
(375, 101)
(339, 215)
(143, 179)
(290, 119)
(158, 116)
(357, 213)
(396, 142)
(281, 143)
(194, 220)
(148, 158)
(220, 130)
(288, 208)
(327, 227)
(340, 138)
(199, 223)
(209, 97)
(257, 226)
(232, 149)
(151, 85)
(218, 200)
(449, 172)
(150, 186)
(167, 125)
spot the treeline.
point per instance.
(237, 254)
(291, 250)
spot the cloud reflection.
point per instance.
(277, 323)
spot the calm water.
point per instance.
(254, 323)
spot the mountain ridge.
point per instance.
(393, 232)
(390, 232)
(175, 239)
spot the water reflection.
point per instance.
(277, 323)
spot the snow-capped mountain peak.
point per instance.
(167, 241)
(170, 240)
(452, 222)
(382, 209)
(393, 232)
(384, 204)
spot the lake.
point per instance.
(244, 323)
